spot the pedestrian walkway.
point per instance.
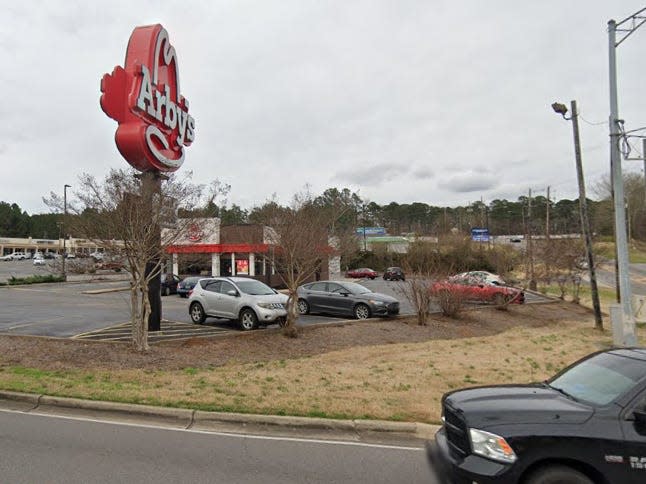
(170, 330)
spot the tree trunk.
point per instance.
(290, 328)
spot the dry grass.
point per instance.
(396, 381)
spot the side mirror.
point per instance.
(232, 292)
(640, 416)
(345, 293)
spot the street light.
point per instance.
(583, 208)
(623, 316)
(65, 187)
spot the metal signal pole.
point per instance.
(626, 320)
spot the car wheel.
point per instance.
(372, 278)
(248, 320)
(282, 322)
(303, 307)
(361, 311)
(197, 313)
(166, 291)
(557, 475)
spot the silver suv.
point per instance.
(246, 300)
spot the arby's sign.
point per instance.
(144, 97)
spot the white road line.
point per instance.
(222, 434)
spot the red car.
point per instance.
(478, 290)
(361, 273)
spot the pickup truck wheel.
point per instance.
(197, 313)
(248, 320)
(558, 475)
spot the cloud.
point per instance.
(372, 175)
(423, 173)
(470, 181)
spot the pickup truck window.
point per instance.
(600, 379)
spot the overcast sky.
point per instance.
(442, 102)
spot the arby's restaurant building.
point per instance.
(236, 250)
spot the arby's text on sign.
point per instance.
(144, 97)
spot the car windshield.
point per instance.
(601, 379)
(255, 288)
(355, 288)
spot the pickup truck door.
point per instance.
(634, 430)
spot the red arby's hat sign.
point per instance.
(144, 98)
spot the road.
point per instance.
(606, 277)
(73, 449)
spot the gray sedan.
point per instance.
(345, 298)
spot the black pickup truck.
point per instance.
(586, 425)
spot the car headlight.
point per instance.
(267, 305)
(377, 303)
(491, 446)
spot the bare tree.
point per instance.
(303, 237)
(125, 214)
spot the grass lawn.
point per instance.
(392, 381)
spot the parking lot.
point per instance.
(99, 309)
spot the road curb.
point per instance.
(191, 418)
(102, 291)
(179, 414)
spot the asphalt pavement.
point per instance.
(57, 440)
(98, 307)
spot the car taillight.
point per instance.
(190, 293)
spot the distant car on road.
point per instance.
(39, 261)
(248, 301)
(345, 298)
(185, 285)
(477, 289)
(18, 256)
(363, 272)
(394, 274)
(6, 257)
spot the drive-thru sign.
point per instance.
(145, 99)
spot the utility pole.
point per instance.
(530, 245)
(548, 246)
(585, 219)
(583, 208)
(65, 187)
(547, 216)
